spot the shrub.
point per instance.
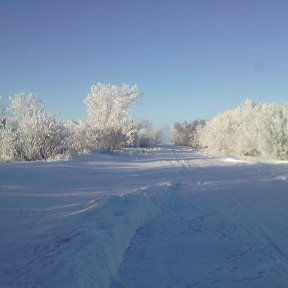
(29, 133)
(252, 129)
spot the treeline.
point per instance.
(187, 133)
(252, 129)
(28, 132)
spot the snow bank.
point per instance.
(111, 233)
(87, 249)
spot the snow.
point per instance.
(168, 217)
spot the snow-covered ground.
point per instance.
(169, 217)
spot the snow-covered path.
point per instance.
(225, 227)
(223, 238)
(168, 218)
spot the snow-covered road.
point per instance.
(171, 217)
(219, 237)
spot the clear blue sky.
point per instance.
(190, 58)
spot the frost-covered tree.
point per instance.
(40, 137)
(25, 105)
(29, 132)
(80, 135)
(3, 119)
(6, 135)
(2, 109)
(145, 135)
(187, 133)
(108, 110)
(252, 129)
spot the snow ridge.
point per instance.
(89, 252)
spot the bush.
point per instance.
(29, 133)
(40, 137)
(252, 129)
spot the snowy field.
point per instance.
(169, 217)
